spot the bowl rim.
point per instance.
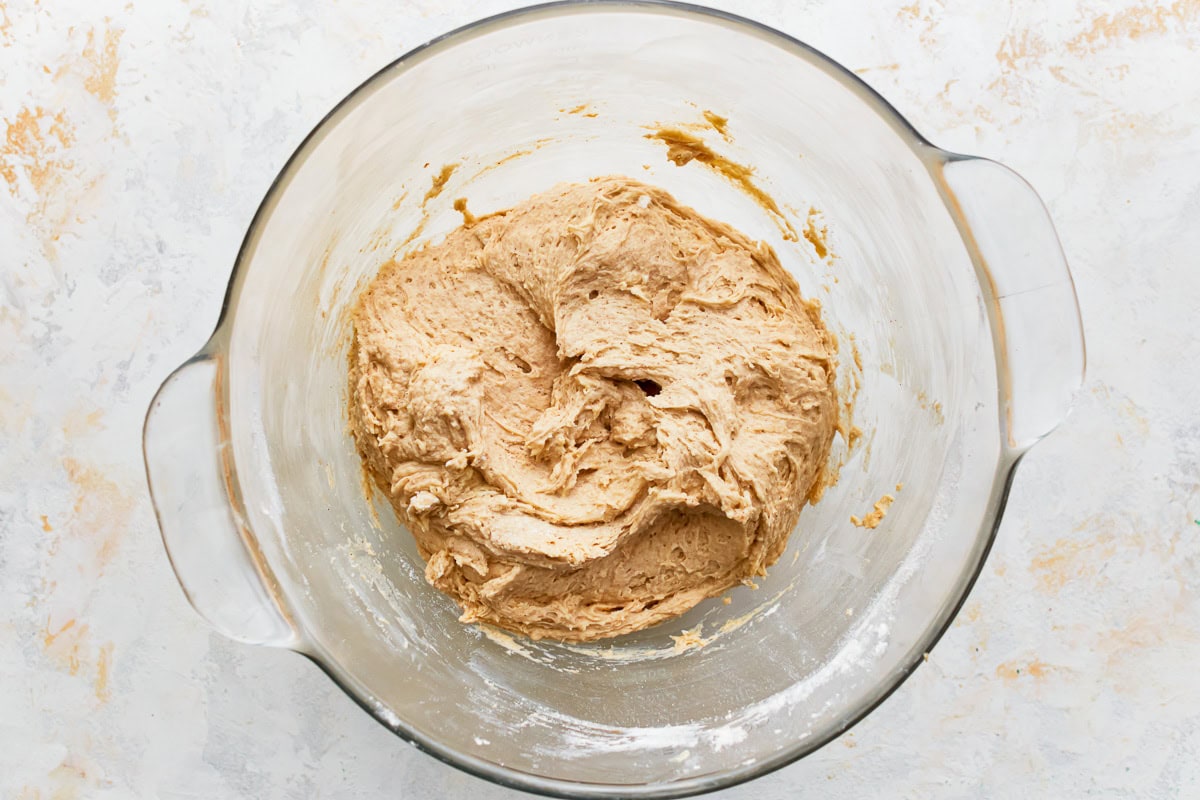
(557, 787)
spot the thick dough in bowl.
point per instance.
(592, 410)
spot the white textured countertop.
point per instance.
(142, 135)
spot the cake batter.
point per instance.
(592, 410)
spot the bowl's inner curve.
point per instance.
(844, 609)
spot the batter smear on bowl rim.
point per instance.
(592, 410)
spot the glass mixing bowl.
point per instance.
(943, 279)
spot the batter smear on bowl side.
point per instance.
(592, 410)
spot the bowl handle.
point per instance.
(188, 466)
(1028, 290)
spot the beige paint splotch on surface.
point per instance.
(1020, 49)
(1103, 541)
(65, 644)
(78, 553)
(881, 67)
(80, 422)
(1137, 22)
(923, 17)
(1071, 559)
(1135, 643)
(103, 665)
(1034, 669)
(99, 519)
(101, 54)
(48, 157)
(5, 26)
(34, 149)
(1019, 58)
